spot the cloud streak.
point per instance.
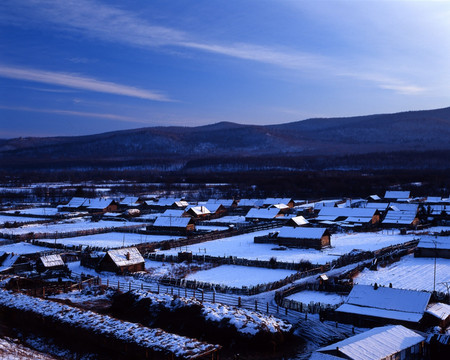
(78, 82)
(74, 113)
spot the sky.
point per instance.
(77, 67)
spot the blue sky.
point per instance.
(78, 67)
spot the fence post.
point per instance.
(129, 285)
(107, 282)
(118, 285)
(286, 311)
(256, 305)
(239, 301)
(267, 307)
(171, 291)
(142, 286)
(277, 308)
(203, 296)
(185, 292)
(214, 297)
(158, 289)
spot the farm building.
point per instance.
(387, 342)
(274, 201)
(297, 221)
(131, 201)
(122, 261)
(100, 205)
(173, 203)
(434, 247)
(173, 213)
(316, 238)
(198, 212)
(50, 262)
(216, 209)
(226, 203)
(397, 195)
(402, 215)
(368, 306)
(437, 314)
(382, 207)
(263, 214)
(361, 216)
(250, 203)
(179, 224)
(7, 261)
(75, 204)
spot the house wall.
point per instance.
(431, 253)
(307, 243)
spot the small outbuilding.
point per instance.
(122, 261)
(50, 262)
(316, 238)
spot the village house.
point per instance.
(297, 221)
(274, 201)
(100, 205)
(167, 203)
(402, 196)
(50, 262)
(387, 342)
(437, 314)
(247, 204)
(121, 261)
(75, 204)
(360, 216)
(438, 246)
(130, 201)
(402, 215)
(198, 212)
(368, 306)
(316, 238)
(173, 224)
(261, 214)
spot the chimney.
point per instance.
(127, 256)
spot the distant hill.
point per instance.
(405, 133)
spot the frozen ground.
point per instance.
(308, 296)
(410, 273)
(238, 276)
(46, 211)
(112, 239)
(211, 227)
(78, 224)
(23, 248)
(229, 219)
(242, 246)
(19, 219)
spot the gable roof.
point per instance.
(126, 256)
(172, 221)
(385, 302)
(98, 203)
(439, 310)
(332, 213)
(76, 202)
(269, 213)
(298, 221)
(438, 243)
(130, 201)
(397, 194)
(301, 232)
(198, 210)
(375, 344)
(52, 260)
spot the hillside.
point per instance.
(414, 131)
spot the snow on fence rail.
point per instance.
(116, 333)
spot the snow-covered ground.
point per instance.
(19, 219)
(308, 296)
(112, 239)
(238, 276)
(22, 248)
(229, 219)
(211, 227)
(242, 246)
(410, 273)
(44, 211)
(77, 224)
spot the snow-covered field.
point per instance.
(410, 273)
(238, 276)
(22, 248)
(19, 219)
(308, 296)
(44, 211)
(211, 228)
(111, 240)
(242, 246)
(229, 219)
(78, 224)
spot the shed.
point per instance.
(50, 262)
(297, 221)
(438, 246)
(371, 305)
(174, 223)
(101, 205)
(122, 261)
(364, 216)
(397, 195)
(387, 342)
(75, 204)
(198, 212)
(438, 314)
(316, 238)
(263, 214)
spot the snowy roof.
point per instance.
(440, 242)
(301, 232)
(213, 207)
(325, 203)
(439, 310)
(299, 220)
(127, 256)
(280, 206)
(52, 260)
(251, 202)
(130, 201)
(273, 201)
(397, 194)
(76, 202)
(386, 302)
(412, 208)
(269, 213)
(170, 201)
(357, 214)
(172, 221)
(224, 202)
(433, 199)
(375, 197)
(378, 206)
(399, 217)
(99, 203)
(375, 344)
(199, 210)
(173, 212)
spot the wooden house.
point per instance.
(437, 314)
(381, 343)
(276, 201)
(75, 204)
(50, 262)
(216, 209)
(397, 195)
(101, 205)
(122, 261)
(360, 216)
(402, 215)
(198, 212)
(431, 247)
(368, 306)
(297, 221)
(316, 238)
(173, 224)
(258, 214)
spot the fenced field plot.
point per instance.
(20, 219)
(243, 246)
(238, 276)
(23, 248)
(325, 298)
(410, 273)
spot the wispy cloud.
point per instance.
(74, 113)
(113, 24)
(79, 82)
